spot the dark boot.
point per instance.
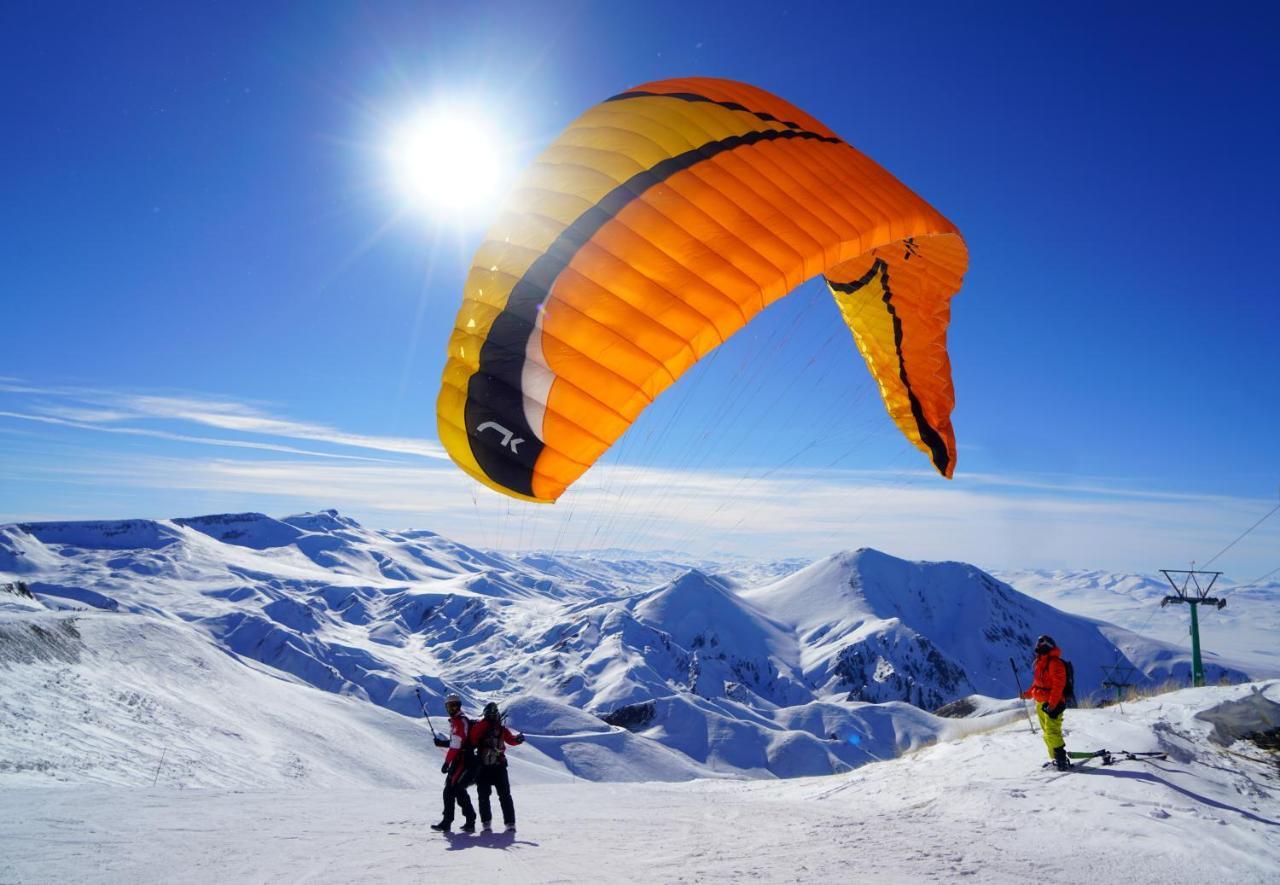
(442, 827)
(1060, 759)
(469, 826)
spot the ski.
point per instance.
(1111, 757)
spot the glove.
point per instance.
(441, 742)
(1053, 712)
(520, 737)
(444, 769)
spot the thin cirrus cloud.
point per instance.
(181, 437)
(104, 410)
(708, 513)
(994, 520)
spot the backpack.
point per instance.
(1069, 689)
(491, 749)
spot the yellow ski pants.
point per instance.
(1052, 729)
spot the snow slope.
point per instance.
(763, 671)
(133, 700)
(978, 809)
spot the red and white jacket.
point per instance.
(459, 727)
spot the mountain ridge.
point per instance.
(750, 671)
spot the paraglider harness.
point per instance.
(491, 750)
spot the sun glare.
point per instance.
(446, 163)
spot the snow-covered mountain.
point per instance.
(619, 667)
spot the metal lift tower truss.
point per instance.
(1194, 591)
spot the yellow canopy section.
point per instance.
(657, 225)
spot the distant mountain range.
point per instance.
(748, 668)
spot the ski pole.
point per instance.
(423, 705)
(1018, 680)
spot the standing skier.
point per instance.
(489, 736)
(1047, 690)
(457, 768)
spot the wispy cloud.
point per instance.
(1074, 485)
(1000, 521)
(105, 410)
(86, 415)
(180, 437)
(704, 513)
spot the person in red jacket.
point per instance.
(491, 738)
(457, 769)
(1047, 690)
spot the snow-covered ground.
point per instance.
(758, 670)
(977, 809)
(235, 698)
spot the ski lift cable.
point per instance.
(1219, 553)
(1242, 536)
(1249, 585)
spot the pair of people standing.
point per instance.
(476, 753)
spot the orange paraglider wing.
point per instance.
(657, 225)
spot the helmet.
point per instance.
(1044, 643)
(452, 700)
(491, 711)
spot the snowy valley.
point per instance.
(239, 653)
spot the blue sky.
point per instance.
(216, 302)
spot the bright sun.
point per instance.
(446, 163)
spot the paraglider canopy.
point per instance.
(652, 229)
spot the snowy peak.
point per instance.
(123, 534)
(730, 645)
(325, 521)
(872, 584)
(698, 610)
(256, 531)
(881, 628)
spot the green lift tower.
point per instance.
(1193, 593)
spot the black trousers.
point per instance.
(455, 792)
(491, 777)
